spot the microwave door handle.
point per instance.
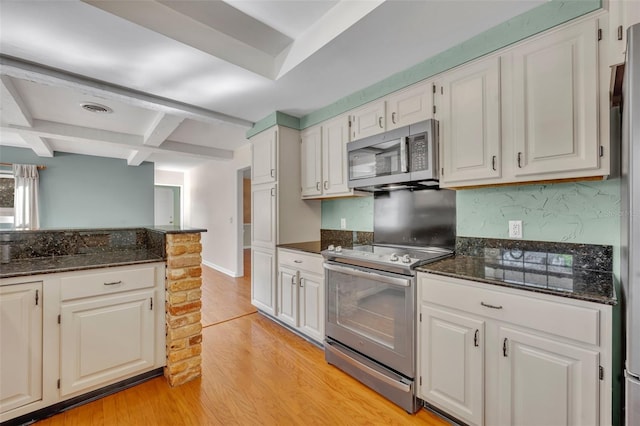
(398, 282)
(404, 167)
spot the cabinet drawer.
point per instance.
(302, 261)
(526, 309)
(107, 282)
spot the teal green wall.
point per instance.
(357, 211)
(78, 191)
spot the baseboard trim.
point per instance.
(220, 269)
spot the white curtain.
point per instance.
(25, 202)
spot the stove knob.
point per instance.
(406, 258)
(331, 247)
(339, 249)
(393, 257)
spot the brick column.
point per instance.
(183, 304)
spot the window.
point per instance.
(7, 192)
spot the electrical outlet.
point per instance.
(343, 223)
(515, 229)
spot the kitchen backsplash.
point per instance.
(357, 212)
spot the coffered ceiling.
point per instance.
(186, 79)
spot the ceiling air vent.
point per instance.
(97, 108)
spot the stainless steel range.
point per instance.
(371, 291)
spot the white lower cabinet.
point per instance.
(301, 292)
(20, 345)
(263, 280)
(65, 334)
(489, 355)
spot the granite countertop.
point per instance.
(577, 283)
(48, 265)
(314, 247)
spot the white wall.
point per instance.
(211, 202)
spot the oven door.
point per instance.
(373, 313)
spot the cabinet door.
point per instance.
(452, 362)
(555, 81)
(264, 148)
(469, 113)
(622, 14)
(410, 105)
(263, 280)
(311, 161)
(288, 295)
(106, 338)
(335, 136)
(546, 382)
(368, 120)
(263, 215)
(312, 305)
(20, 345)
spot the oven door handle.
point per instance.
(378, 375)
(399, 282)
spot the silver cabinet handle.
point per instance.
(293, 277)
(504, 347)
(318, 186)
(393, 117)
(297, 261)
(326, 184)
(476, 338)
(486, 305)
(273, 173)
(519, 160)
(300, 281)
(114, 283)
(398, 282)
(273, 192)
(493, 162)
(380, 122)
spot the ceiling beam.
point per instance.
(19, 113)
(138, 156)
(163, 125)
(54, 130)
(53, 77)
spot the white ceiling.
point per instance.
(186, 79)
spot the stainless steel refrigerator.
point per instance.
(630, 221)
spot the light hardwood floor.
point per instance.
(254, 372)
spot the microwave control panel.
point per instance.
(419, 153)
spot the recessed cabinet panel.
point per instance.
(264, 153)
(288, 296)
(105, 338)
(20, 345)
(452, 356)
(263, 212)
(410, 105)
(469, 114)
(368, 120)
(311, 287)
(544, 382)
(263, 280)
(555, 102)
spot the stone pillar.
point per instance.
(183, 304)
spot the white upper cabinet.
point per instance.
(410, 105)
(368, 120)
(323, 155)
(469, 115)
(555, 102)
(264, 153)
(311, 161)
(622, 14)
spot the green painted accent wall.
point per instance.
(358, 212)
(80, 191)
(275, 118)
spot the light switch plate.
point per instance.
(515, 229)
(343, 223)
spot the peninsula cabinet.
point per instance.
(301, 292)
(20, 345)
(487, 357)
(324, 162)
(279, 215)
(528, 113)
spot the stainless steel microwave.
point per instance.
(400, 158)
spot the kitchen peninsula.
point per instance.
(81, 317)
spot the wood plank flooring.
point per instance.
(254, 372)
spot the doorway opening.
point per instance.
(244, 221)
(167, 202)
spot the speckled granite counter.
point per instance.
(61, 250)
(578, 271)
(331, 237)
